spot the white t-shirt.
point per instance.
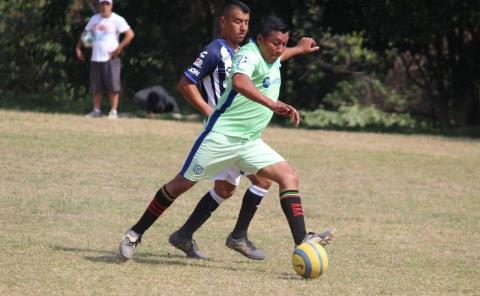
(106, 32)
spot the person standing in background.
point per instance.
(105, 69)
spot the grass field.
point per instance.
(407, 210)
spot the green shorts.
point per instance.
(213, 152)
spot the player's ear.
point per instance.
(222, 20)
(260, 38)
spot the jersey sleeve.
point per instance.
(245, 62)
(204, 64)
(90, 24)
(122, 25)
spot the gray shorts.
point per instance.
(105, 76)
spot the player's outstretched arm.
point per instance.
(190, 92)
(304, 46)
(243, 85)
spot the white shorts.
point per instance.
(231, 174)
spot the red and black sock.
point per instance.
(292, 208)
(157, 206)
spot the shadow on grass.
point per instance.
(113, 257)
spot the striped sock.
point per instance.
(157, 206)
(292, 208)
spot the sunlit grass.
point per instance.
(407, 210)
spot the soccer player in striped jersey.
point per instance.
(210, 71)
(225, 184)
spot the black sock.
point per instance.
(247, 211)
(292, 208)
(200, 214)
(157, 206)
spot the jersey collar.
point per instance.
(230, 50)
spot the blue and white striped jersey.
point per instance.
(211, 69)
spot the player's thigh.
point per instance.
(211, 153)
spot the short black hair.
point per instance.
(272, 23)
(229, 5)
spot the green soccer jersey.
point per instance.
(237, 116)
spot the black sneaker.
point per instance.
(188, 246)
(322, 238)
(245, 247)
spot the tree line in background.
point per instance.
(393, 63)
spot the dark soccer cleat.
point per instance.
(188, 246)
(129, 243)
(244, 246)
(322, 238)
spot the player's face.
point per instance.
(272, 46)
(235, 26)
(105, 8)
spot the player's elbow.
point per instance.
(182, 84)
(237, 82)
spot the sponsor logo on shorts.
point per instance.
(194, 71)
(198, 169)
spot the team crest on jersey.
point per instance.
(198, 62)
(198, 169)
(241, 60)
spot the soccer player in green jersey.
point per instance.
(232, 136)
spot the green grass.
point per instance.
(406, 207)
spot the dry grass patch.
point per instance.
(406, 209)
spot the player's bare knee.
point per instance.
(224, 189)
(262, 183)
(179, 185)
(289, 178)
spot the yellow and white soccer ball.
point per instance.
(309, 260)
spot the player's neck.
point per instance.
(234, 45)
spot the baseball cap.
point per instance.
(100, 1)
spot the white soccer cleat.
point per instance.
(129, 243)
(322, 238)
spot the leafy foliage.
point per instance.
(436, 43)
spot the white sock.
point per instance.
(216, 197)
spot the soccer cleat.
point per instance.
(188, 246)
(129, 243)
(322, 238)
(93, 114)
(244, 246)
